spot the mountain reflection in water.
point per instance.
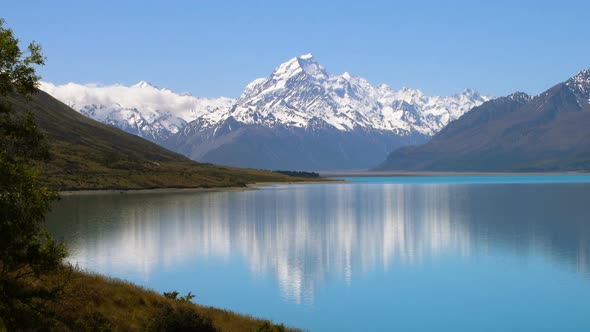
(302, 235)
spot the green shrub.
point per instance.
(174, 296)
(269, 327)
(179, 319)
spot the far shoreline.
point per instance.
(336, 174)
(326, 177)
(170, 190)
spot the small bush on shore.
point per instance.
(179, 318)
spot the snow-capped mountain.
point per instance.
(580, 85)
(517, 133)
(300, 117)
(300, 90)
(303, 117)
(141, 109)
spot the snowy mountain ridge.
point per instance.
(140, 109)
(580, 85)
(300, 90)
(298, 93)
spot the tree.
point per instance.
(27, 251)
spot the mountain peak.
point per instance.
(470, 93)
(583, 74)
(143, 84)
(411, 92)
(581, 78)
(580, 85)
(520, 96)
(305, 63)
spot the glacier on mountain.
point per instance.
(300, 90)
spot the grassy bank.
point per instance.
(88, 155)
(90, 302)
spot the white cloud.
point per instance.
(147, 99)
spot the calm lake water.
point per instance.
(505, 253)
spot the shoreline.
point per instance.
(250, 186)
(329, 174)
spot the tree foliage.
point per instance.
(17, 71)
(27, 251)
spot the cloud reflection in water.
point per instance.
(305, 235)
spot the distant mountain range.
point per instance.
(548, 132)
(141, 109)
(300, 117)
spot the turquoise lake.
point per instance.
(474, 253)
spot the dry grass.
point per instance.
(95, 302)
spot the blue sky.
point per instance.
(214, 48)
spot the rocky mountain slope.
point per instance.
(548, 132)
